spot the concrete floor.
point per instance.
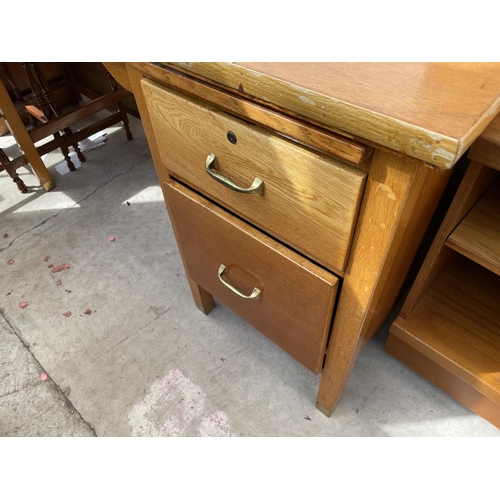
(146, 362)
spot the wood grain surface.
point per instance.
(474, 184)
(399, 201)
(486, 148)
(429, 111)
(442, 378)
(302, 132)
(120, 73)
(478, 235)
(310, 201)
(297, 300)
(448, 329)
(457, 325)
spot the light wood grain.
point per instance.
(449, 327)
(457, 325)
(302, 132)
(120, 73)
(478, 235)
(474, 184)
(297, 297)
(442, 378)
(310, 202)
(135, 77)
(429, 111)
(486, 148)
(422, 199)
(310, 132)
(399, 201)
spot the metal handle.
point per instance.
(254, 295)
(211, 165)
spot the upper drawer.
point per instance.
(306, 200)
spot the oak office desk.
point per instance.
(299, 192)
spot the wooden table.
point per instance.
(300, 192)
(51, 121)
(24, 140)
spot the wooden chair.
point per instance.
(33, 114)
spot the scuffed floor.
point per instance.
(135, 357)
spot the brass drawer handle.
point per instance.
(211, 165)
(255, 294)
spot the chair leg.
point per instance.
(10, 82)
(5, 162)
(119, 108)
(125, 121)
(56, 111)
(65, 150)
(68, 78)
(80, 155)
(20, 184)
(24, 139)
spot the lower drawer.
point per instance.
(293, 298)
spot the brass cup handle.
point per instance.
(211, 165)
(253, 296)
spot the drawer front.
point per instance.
(308, 201)
(295, 297)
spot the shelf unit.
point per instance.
(478, 235)
(448, 329)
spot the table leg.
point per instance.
(6, 164)
(400, 199)
(204, 301)
(23, 138)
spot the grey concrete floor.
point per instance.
(146, 362)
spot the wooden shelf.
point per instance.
(486, 148)
(478, 235)
(456, 326)
(448, 329)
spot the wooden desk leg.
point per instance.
(23, 139)
(135, 77)
(400, 199)
(204, 301)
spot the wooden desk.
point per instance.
(339, 168)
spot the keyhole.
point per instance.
(231, 137)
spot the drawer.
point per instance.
(307, 200)
(296, 298)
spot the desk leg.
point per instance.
(203, 300)
(23, 138)
(400, 199)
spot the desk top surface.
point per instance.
(429, 111)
